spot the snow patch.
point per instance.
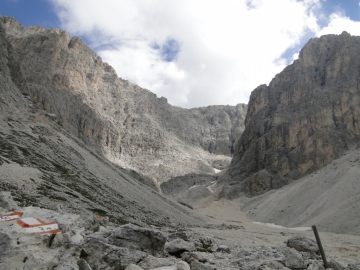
(272, 225)
(209, 187)
(216, 170)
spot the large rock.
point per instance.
(151, 262)
(195, 265)
(301, 243)
(178, 246)
(137, 238)
(7, 202)
(304, 119)
(100, 254)
(292, 258)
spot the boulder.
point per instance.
(178, 234)
(189, 257)
(336, 265)
(223, 248)
(196, 265)
(315, 265)
(266, 265)
(133, 267)
(101, 255)
(181, 265)
(137, 238)
(178, 246)
(301, 243)
(292, 258)
(7, 202)
(206, 242)
(151, 262)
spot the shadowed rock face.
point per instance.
(44, 165)
(128, 124)
(307, 117)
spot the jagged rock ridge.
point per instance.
(43, 165)
(126, 123)
(307, 117)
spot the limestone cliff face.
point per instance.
(128, 124)
(307, 117)
(43, 165)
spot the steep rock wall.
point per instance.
(43, 165)
(128, 124)
(307, 117)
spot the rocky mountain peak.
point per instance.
(307, 117)
(130, 125)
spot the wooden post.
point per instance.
(320, 246)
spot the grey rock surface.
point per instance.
(100, 254)
(354, 266)
(303, 120)
(336, 265)
(293, 258)
(223, 248)
(179, 246)
(151, 262)
(301, 243)
(315, 265)
(133, 267)
(138, 238)
(195, 265)
(44, 165)
(130, 125)
(83, 265)
(183, 265)
(104, 249)
(7, 202)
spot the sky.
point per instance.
(193, 52)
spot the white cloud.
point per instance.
(227, 48)
(338, 23)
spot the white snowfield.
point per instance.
(272, 225)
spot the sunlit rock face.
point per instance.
(131, 126)
(307, 117)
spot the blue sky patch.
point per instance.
(169, 50)
(350, 8)
(31, 12)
